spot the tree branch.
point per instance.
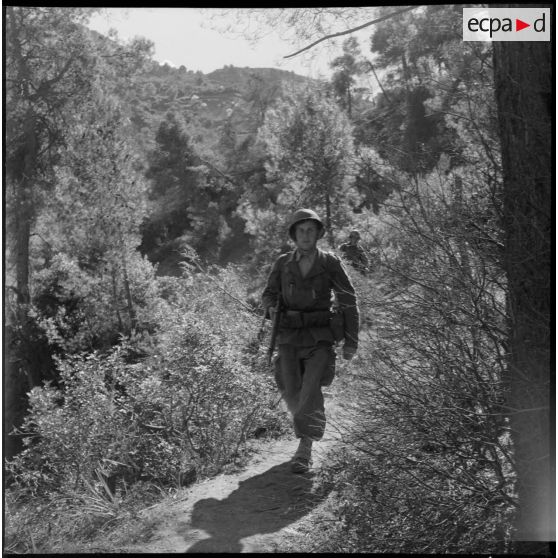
(220, 172)
(388, 98)
(243, 304)
(352, 30)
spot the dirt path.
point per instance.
(254, 510)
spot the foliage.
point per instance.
(309, 163)
(411, 503)
(375, 179)
(42, 94)
(348, 67)
(188, 198)
(429, 465)
(299, 26)
(58, 107)
(204, 102)
(78, 310)
(174, 185)
(49, 101)
(430, 451)
(430, 80)
(186, 407)
(86, 268)
(40, 88)
(159, 376)
(98, 200)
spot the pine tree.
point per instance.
(310, 155)
(343, 79)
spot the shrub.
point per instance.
(186, 407)
(80, 309)
(430, 465)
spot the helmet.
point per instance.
(354, 233)
(303, 215)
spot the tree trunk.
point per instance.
(115, 299)
(24, 206)
(410, 140)
(329, 228)
(523, 73)
(23, 235)
(129, 300)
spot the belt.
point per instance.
(296, 319)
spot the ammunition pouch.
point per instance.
(337, 325)
(296, 319)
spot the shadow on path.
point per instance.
(262, 504)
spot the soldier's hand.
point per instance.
(349, 352)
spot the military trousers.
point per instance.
(300, 374)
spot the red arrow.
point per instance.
(519, 25)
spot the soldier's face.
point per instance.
(306, 235)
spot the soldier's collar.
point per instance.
(298, 255)
(294, 256)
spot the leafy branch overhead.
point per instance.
(349, 31)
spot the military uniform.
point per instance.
(305, 339)
(356, 255)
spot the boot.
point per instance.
(302, 457)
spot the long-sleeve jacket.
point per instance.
(356, 256)
(311, 295)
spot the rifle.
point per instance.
(274, 329)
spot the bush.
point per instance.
(392, 502)
(430, 466)
(81, 309)
(185, 409)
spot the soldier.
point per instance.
(354, 253)
(303, 281)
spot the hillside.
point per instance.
(206, 101)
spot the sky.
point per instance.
(183, 36)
